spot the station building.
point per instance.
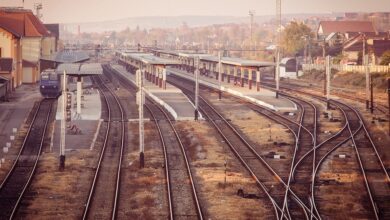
(24, 39)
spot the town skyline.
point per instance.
(72, 11)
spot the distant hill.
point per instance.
(171, 22)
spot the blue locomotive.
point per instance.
(50, 84)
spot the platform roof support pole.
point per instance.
(164, 78)
(196, 88)
(228, 72)
(209, 72)
(327, 71)
(235, 74)
(250, 71)
(79, 94)
(258, 79)
(157, 74)
(242, 76)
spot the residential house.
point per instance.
(373, 45)
(25, 39)
(337, 32)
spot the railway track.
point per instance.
(183, 201)
(375, 175)
(261, 171)
(338, 92)
(20, 175)
(178, 169)
(103, 197)
(300, 177)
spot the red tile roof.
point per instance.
(329, 27)
(22, 23)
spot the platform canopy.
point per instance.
(80, 69)
(237, 61)
(67, 56)
(211, 58)
(149, 58)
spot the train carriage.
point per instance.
(50, 84)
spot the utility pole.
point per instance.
(196, 62)
(364, 49)
(277, 73)
(367, 72)
(328, 71)
(63, 123)
(251, 14)
(219, 75)
(278, 30)
(140, 96)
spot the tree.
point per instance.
(385, 58)
(295, 36)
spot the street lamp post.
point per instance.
(63, 123)
(140, 95)
(196, 62)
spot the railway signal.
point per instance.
(68, 107)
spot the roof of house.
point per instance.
(6, 64)
(378, 47)
(22, 23)
(381, 46)
(329, 27)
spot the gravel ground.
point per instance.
(267, 137)
(143, 191)
(208, 154)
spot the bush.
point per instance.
(385, 58)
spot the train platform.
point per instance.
(91, 104)
(264, 97)
(14, 112)
(81, 131)
(171, 98)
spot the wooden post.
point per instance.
(388, 97)
(371, 95)
(367, 72)
(328, 72)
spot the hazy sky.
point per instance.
(100, 10)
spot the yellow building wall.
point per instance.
(11, 48)
(31, 49)
(5, 43)
(48, 46)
